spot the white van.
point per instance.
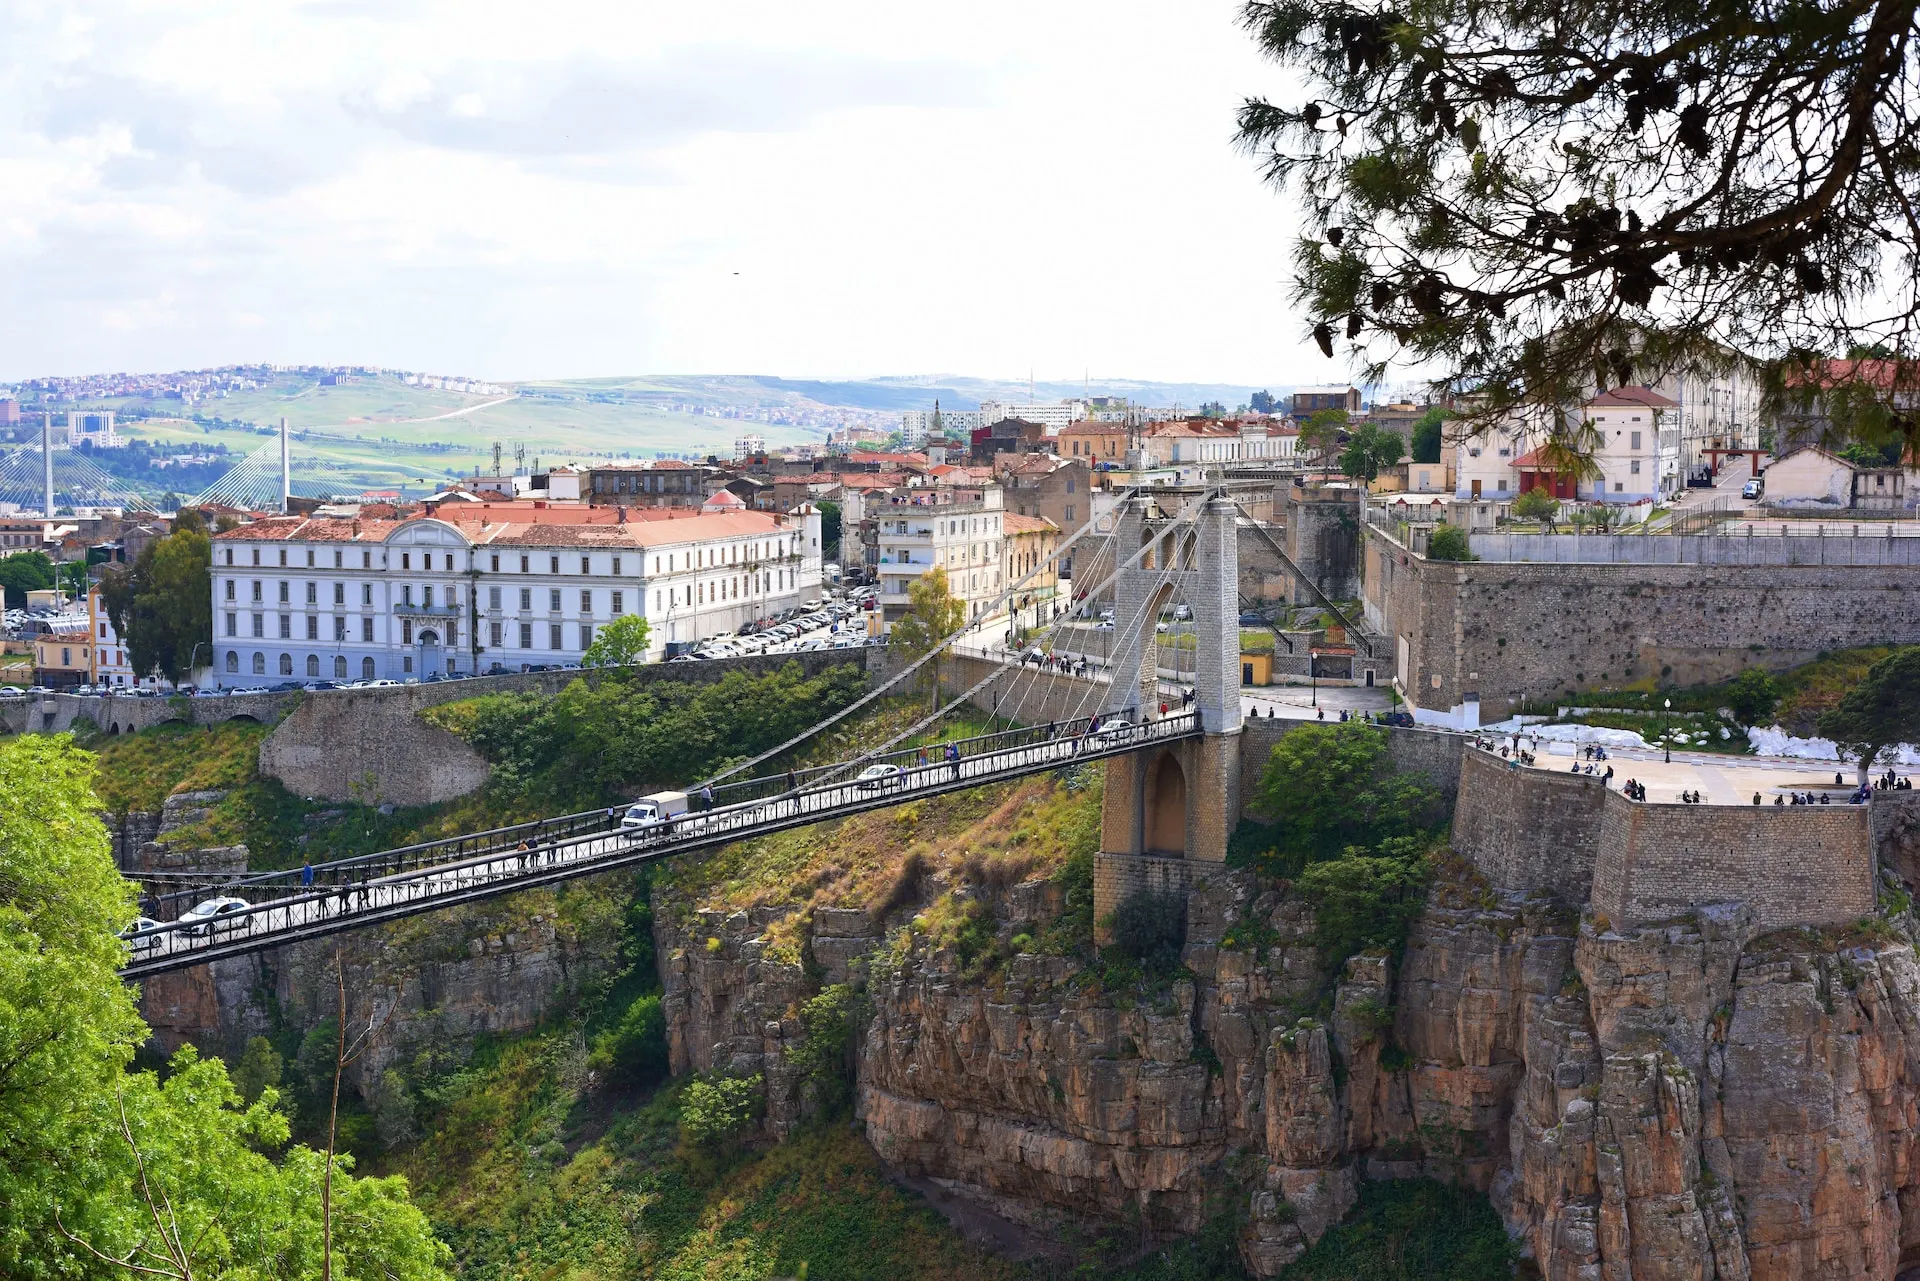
(654, 810)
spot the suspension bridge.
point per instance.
(75, 481)
(1172, 780)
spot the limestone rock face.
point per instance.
(1681, 1100)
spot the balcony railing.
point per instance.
(412, 610)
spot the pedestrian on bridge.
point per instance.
(793, 784)
(306, 875)
(953, 758)
(525, 851)
(706, 795)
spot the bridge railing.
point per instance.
(330, 876)
(293, 911)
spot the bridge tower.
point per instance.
(1172, 806)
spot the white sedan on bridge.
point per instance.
(201, 917)
(875, 776)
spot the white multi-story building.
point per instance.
(964, 538)
(107, 660)
(297, 598)
(1637, 446)
(1054, 414)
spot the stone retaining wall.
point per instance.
(1527, 829)
(1535, 830)
(1791, 864)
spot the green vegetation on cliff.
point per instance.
(1411, 1230)
(531, 1172)
(600, 740)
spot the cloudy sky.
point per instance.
(568, 189)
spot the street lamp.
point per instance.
(1666, 728)
(1313, 678)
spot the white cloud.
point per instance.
(515, 191)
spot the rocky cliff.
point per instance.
(1680, 1100)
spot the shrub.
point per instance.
(258, 1070)
(1365, 899)
(1449, 542)
(1752, 696)
(1330, 786)
(1148, 927)
(715, 1110)
(633, 1052)
(832, 1022)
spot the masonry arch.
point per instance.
(1166, 800)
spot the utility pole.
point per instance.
(286, 471)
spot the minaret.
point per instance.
(286, 471)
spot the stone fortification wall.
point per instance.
(1478, 638)
(1528, 829)
(1792, 865)
(372, 746)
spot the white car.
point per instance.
(203, 916)
(878, 776)
(1115, 730)
(141, 932)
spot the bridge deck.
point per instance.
(482, 869)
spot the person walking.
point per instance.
(306, 875)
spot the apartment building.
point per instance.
(309, 598)
(1028, 551)
(1637, 446)
(108, 663)
(913, 534)
(1057, 490)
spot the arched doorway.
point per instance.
(1166, 825)
(429, 643)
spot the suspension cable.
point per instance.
(941, 647)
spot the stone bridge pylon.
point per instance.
(1172, 806)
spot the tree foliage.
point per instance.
(933, 614)
(1538, 504)
(162, 606)
(1330, 785)
(24, 572)
(633, 1051)
(1366, 899)
(97, 1162)
(620, 643)
(1879, 712)
(1371, 450)
(597, 742)
(1449, 542)
(1752, 697)
(1322, 432)
(830, 519)
(1429, 434)
(715, 1110)
(1538, 200)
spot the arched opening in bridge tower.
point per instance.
(1167, 808)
